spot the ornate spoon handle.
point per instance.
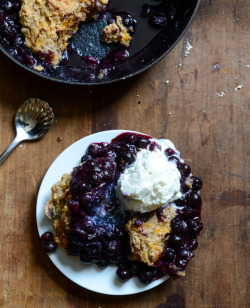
(9, 149)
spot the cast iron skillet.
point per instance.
(148, 45)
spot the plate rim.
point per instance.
(113, 134)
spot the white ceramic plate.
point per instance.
(88, 276)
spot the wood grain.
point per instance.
(212, 133)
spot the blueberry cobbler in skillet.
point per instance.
(132, 202)
(87, 40)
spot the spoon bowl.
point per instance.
(33, 120)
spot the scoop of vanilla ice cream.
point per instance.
(151, 182)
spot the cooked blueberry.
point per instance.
(184, 187)
(170, 152)
(85, 258)
(174, 159)
(181, 201)
(110, 154)
(100, 231)
(169, 254)
(85, 169)
(144, 217)
(128, 20)
(91, 60)
(91, 236)
(184, 169)
(196, 225)
(102, 263)
(179, 226)
(29, 60)
(47, 237)
(110, 207)
(153, 145)
(85, 157)
(81, 188)
(125, 159)
(109, 233)
(117, 56)
(94, 250)
(94, 149)
(73, 248)
(187, 212)
(185, 255)
(50, 247)
(160, 213)
(18, 41)
(113, 247)
(119, 231)
(123, 274)
(89, 199)
(176, 240)
(131, 138)
(196, 183)
(11, 5)
(158, 20)
(74, 206)
(88, 225)
(193, 199)
(142, 143)
(146, 10)
(137, 223)
(182, 263)
(192, 244)
(148, 275)
(77, 229)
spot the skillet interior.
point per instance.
(148, 45)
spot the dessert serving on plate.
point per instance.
(132, 202)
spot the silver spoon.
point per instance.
(33, 120)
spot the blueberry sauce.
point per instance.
(97, 223)
(87, 59)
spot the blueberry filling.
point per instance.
(97, 222)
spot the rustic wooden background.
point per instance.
(212, 133)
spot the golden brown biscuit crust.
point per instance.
(148, 239)
(59, 197)
(58, 205)
(48, 24)
(117, 33)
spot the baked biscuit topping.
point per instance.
(48, 24)
(117, 33)
(62, 227)
(59, 197)
(147, 239)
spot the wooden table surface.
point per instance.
(212, 133)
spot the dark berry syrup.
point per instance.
(98, 233)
